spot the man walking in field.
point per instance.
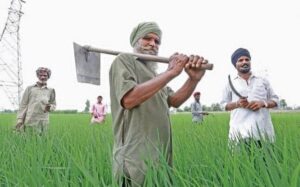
(249, 98)
(196, 109)
(140, 101)
(37, 101)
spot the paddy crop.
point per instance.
(75, 153)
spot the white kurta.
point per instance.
(245, 123)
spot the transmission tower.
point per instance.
(11, 81)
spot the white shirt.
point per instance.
(196, 108)
(245, 123)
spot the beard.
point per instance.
(245, 69)
(151, 65)
(42, 82)
(148, 51)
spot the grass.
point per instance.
(74, 153)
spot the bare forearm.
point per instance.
(253, 105)
(183, 93)
(146, 90)
(53, 106)
(231, 106)
(21, 114)
(23, 107)
(271, 104)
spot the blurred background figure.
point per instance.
(98, 111)
(196, 109)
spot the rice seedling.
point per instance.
(75, 153)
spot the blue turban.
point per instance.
(142, 30)
(238, 53)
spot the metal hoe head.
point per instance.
(87, 60)
(87, 65)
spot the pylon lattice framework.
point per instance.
(11, 81)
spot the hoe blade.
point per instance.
(87, 65)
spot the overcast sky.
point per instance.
(212, 28)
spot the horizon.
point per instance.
(214, 31)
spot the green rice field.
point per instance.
(74, 153)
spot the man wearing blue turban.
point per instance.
(249, 97)
(140, 101)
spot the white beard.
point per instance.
(42, 82)
(152, 66)
(143, 50)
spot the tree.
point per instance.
(216, 107)
(297, 108)
(87, 106)
(179, 110)
(206, 108)
(282, 104)
(187, 109)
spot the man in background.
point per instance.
(196, 109)
(37, 101)
(98, 111)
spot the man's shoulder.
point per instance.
(125, 57)
(123, 60)
(261, 78)
(30, 86)
(51, 89)
(258, 76)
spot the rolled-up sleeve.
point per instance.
(226, 96)
(123, 76)
(52, 100)
(271, 95)
(23, 106)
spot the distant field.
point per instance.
(73, 153)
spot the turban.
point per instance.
(238, 53)
(143, 29)
(43, 69)
(196, 93)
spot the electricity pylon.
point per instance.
(11, 81)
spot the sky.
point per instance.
(269, 29)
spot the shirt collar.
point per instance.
(251, 76)
(44, 86)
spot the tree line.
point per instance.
(213, 107)
(217, 107)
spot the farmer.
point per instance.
(37, 101)
(140, 101)
(98, 111)
(196, 109)
(250, 120)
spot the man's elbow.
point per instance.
(128, 103)
(175, 105)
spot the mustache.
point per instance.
(245, 65)
(245, 68)
(149, 48)
(42, 81)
